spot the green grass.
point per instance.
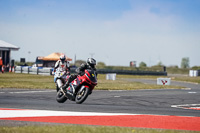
(187, 79)
(12, 80)
(175, 78)
(29, 81)
(121, 84)
(83, 129)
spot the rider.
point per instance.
(90, 64)
(1, 64)
(63, 65)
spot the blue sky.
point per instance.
(116, 31)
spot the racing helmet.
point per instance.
(91, 62)
(62, 57)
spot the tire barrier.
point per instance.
(33, 70)
(48, 71)
(127, 72)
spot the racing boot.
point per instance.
(70, 90)
(64, 87)
(71, 78)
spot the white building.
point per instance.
(5, 51)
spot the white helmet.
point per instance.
(62, 57)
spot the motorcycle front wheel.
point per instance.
(60, 97)
(82, 95)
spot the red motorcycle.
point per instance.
(82, 86)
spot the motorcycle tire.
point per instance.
(60, 97)
(82, 95)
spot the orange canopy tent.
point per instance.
(54, 57)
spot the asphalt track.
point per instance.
(166, 109)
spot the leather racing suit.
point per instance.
(63, 66)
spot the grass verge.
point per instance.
(175, 78)
(29, 81)
(187, 79)
(83, 129)
(121, 84)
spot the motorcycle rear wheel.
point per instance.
(82, 95)
(60, 97)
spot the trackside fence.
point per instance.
(48, 71)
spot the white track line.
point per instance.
(187, 106)
(21, 92)
(39, 113)
(192, 92)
